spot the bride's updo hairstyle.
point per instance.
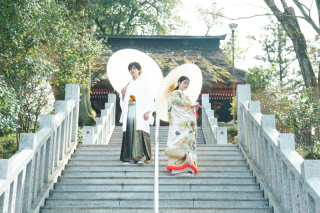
(182, 78)
(136, 65)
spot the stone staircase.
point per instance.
(95, 181)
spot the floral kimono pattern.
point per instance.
(182, 138)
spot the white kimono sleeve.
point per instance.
(121, 101)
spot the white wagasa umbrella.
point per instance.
(193, 72)
(119, 75)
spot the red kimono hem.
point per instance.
(182, 167)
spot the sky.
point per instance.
(250, 26)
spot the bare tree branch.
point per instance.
(292, 27)
(103, 30)
(307, 17)
(258, 7)
(267, 14)
(284, 4)
(318, 7)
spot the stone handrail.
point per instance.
(101, 133)
(212, 133)
(27, 177)
(291, 183)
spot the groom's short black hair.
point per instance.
(135, 64)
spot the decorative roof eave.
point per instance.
(220, 37)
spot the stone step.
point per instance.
(161, 153)
(162, 162)
(162, 142)
(162, 180)
(97, 168)
(215, 209)
(209, 203)
(162, 135)
(150, 163)
(142, 174)
(150, 187)
(116, 156)
(110, 146)
(152, 141)
(111, 143)
(152, 128)
(152, 131)
(162, 195)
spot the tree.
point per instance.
(239, 52)
(8, 108)
(211, 17)
(126, 17)
(259, 77)
(314, 53)
(291, 25)
(42, 42)
(307, 14)
(278, 49)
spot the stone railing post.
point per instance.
(204, 101)
(5, 172)
(73, 93)
(222, 135)
(88, 135)
(213, 124)
(254, 107)
(46, 121)
(268, 123)
(29, 141)
(286, 144)
(112, 99)
(209, 129)
(101, 133)
(243, 95)
(310, 171)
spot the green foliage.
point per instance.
(305, 115)
(233, 109)
(314, 53)
(278, 49)
(8, 108)
(295, 112)
(233, 130)
(259, 77)
(126, 17)
(239, 52)
(80, 135)
(8, 146)
(43, 42)
(211, 16)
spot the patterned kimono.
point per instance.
(182, 138)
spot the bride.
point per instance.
(182, 136)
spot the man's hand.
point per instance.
(146, 116)
(123, 91)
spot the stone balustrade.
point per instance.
(291, 183)
(212, 133)
(101, 133)
(27, 177)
